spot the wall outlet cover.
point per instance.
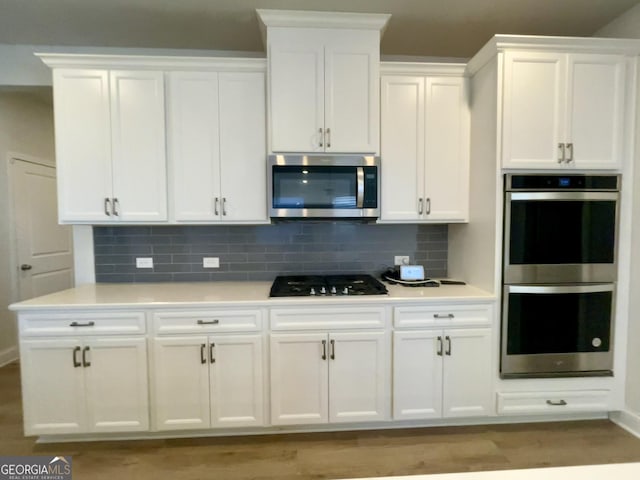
(401, 260)
(144, 262)
(210, 262)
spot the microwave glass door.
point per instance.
(315, 187)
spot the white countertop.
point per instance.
(617, 471)
(201, 294)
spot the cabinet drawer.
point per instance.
(315, 318)
(441, 315)
(204, 321)
(527, 403)
(86, 323)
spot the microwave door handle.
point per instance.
(360, 186)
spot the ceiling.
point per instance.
(447, 28)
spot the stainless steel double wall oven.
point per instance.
(559, 274)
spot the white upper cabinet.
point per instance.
(217, 146)
(109, 143)
(424, 148)
(323, 81)
(562, 110)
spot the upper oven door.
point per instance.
(323, 187)
(560, 237)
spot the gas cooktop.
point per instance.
(325, 285)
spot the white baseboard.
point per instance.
(630, 421)
(8, 355)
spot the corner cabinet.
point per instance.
(424, 144)
(216, 140)
(110, 145)
(323, 81)
(563, 110)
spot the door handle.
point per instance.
(85, 362)
(321, 136)
(427, 202)
(25, 266)
(420, 206)
(203, 348)
(448, 339)
(333, 349)
(360, 187)
(212, 358)
(569, 152)
(439, 351)
(76, 363)
(324, 349)
(328, 138)
(216, 210)
(224, 206)
(116, 205)
(560, 152)
(107, 207)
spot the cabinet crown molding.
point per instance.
(423, 68)
(500, 43)
(144, 62)
(313, 19)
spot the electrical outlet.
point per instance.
(401, 260)
(144, 262)
(210, 262)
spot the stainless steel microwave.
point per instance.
(324, 187)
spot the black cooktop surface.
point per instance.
(326, 285)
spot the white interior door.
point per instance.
(44, 248)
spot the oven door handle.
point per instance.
(360, 187)
(603, 287)
(560, 196)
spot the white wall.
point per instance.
(628, 26)
(26, 127)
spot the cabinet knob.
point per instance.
(24, 267)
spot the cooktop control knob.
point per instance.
(333, 290)
(312, 291)
(345, 291)
(323, 291)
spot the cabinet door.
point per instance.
(138, 145)
(193, 145)
(53, 386)
(533, 109)
(299, 378)
(116, 381)
(402, 147)
(181, 383)
(359, 388)
(595, 110)
(243, 149)
(446, 170)
(83, 143)
(467, 383)
(351, 103)
(296, 84)
(236, 380)
(417, 374)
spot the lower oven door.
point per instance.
(564, 330)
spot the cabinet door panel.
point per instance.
(243, 148)
(446, 150)
(595, 109)
(351, 91)
(138, 140)
(193, 145)
(402, 147)
(299, 379)
(296, 90)
(533, 106)
(417, 374)
(358, 377)
(52, 387)
(117, 384)
(83, 143)
(236, 380)
(181, 383)
(467, 384)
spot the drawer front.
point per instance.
(442, 315)
(85, 323)
(207, 321)
(323, 318)
(527, 403)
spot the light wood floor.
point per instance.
(327, 455)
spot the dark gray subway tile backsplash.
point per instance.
(262, 252)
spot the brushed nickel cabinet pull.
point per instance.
(224, 206)
(448, 339)
(447, 315)
(212, 358)
(321, 135)
(85, 362)
(328, 138)
(88, 324)
(324, 349)
(203, 348)
(333, 349)
(107, 207)
(215, 321)
(439, 351)
(560, 152)
(569, 152)
(116, 206)
(216, 210)
(427, 201)
(556, 403)
(76, 363)
(420, 206)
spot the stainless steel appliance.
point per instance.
(326, 285)
(560, 237)
(324, 186)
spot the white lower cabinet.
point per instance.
(203, 381)
(329, 377)
(84, 385)
(442, 372)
